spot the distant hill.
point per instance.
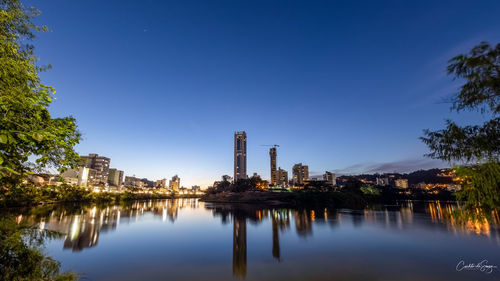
(434, 176)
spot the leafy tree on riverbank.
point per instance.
(21, 256)
(478, 144)
(27, 130)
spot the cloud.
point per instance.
(402, 166)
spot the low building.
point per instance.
(161, 183)
(330, 178)
(133, 182)
(147, 183)
(401, 183)
(282, 177)
(82, 176)
(175, 183)
(115, 177)
(421, 185)
(382, 181)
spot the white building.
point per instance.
(383, 181)
(81, 176)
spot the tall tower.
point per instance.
(240, 155)
(272, 155)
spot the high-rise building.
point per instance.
(175, 183)
(282, 177)
(100, 164)
(274, 174)
(240, 155)
(300, 174)
(115, 177)
(330, 178)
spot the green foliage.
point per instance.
(353, 184)
(26, 126)
(21, 256)
(481, 90)
(465, 143)
(480, 71)
(28, 194)
(240, 185)
(480, 186)
(317, 186)
(370, 190)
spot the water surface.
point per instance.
(186, 239)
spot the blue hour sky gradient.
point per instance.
(161, 86)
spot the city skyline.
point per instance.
(164, 92)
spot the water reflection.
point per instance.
(82, 225)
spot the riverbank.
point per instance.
(337, 199)
(291, 199)
(27, 195)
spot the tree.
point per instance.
(242, 185)
(479, 144)
(353, 184)
(27, 130)
(21, 253)
(481, 91)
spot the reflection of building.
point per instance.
(280, 221)
(100, 164)
(175, 183)
(300, 174)
(274, 175)
(239, 246)
(115, 177)
(83, 229)
(401, 183)
(240, 155)
(303, 222)
(329, 177)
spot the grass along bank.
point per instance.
(28, 194)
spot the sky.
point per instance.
(160, 87)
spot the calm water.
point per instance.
(190, 240)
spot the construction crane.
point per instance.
(273, 145)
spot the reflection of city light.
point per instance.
(41, 226)
(164, 215)
(75, 226)
(92, 213)
(479, 226)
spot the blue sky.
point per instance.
(161, 86)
